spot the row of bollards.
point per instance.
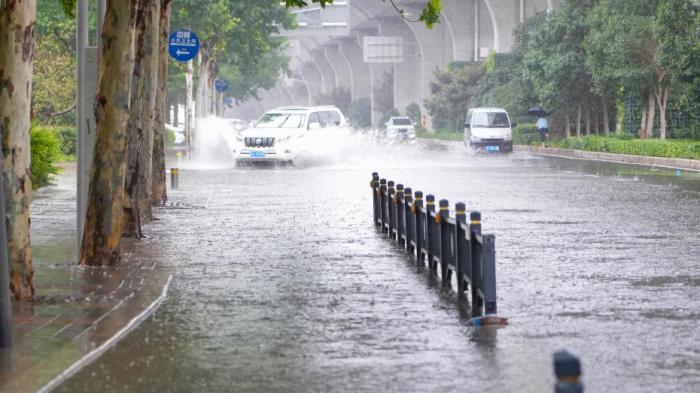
(451, 246)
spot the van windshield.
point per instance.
(281, 120)
(490, 120)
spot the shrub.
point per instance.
(46, 151)
(69, 140)
(647, 147)
(169, 137)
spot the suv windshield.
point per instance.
(281, 120)
(402, 121)
(490, 120)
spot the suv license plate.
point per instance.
(257, 154)
(493, 148)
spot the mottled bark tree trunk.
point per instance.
(588, 120)
(201, 103)
(567, 125)
(651, 110)
(159, 193)
(606, 116)
(105, 208)
(176, 113)
(643, 129)
(139, 174)
(662, 101)
(578, 122)
(17, 30)
(189, 126)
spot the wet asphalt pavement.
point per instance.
(282, 284)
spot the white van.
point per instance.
(489, 130)
(281, 134)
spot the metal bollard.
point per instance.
(429, 228)
(390, 208)
(476, 273)
(442, 220)
(174, 178)
(375, 196)
(407, 219)
(418, 225)
(462, 260)
(382, 203)
(398, 212)
(567, 368)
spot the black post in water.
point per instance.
(390, 208)
(398, 205)
(418, 225)
(382, 203)
(477, 284)
(429, 228)
(5, 306)
(444, 243)
(567, 368)
(174, 178)
(375, 196)
(461, 251)
(407, 218)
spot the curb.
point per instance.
(94, 354)
(673, 163)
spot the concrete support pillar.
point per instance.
(327, 71)
(460, 15)
(407, 73)
(378, 72)
(352, 52)
(342, 67)
(312, 76)
(504, 16)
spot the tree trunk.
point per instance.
(17, 32)
(105, 208)
(662, 101)
(201, 105)
(588, 120)
(643, 129)
(596, 122)
(651, 115)
(578, 122)
(606, 116)
(567, 125)
(159, 193)
(189, 126)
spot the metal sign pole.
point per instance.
(5, 306)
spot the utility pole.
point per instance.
(5, 306)
(88, 62)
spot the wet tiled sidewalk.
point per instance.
(78, 310)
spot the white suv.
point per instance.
(280, 135)
(401, 128)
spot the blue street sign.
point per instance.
(221, 85)
(228, 100)
(183, 45)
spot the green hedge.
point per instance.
(46, 152)
(670, 148)
(445, 135)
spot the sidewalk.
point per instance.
(673, 163)
(79, 312)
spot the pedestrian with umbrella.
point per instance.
(542, 122)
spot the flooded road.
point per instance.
(282, 284)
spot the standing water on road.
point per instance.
(283, 284)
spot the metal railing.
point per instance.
(452, 245)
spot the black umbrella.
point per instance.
(537, 110)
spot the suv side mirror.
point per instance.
(514, 124)
(315, 126)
